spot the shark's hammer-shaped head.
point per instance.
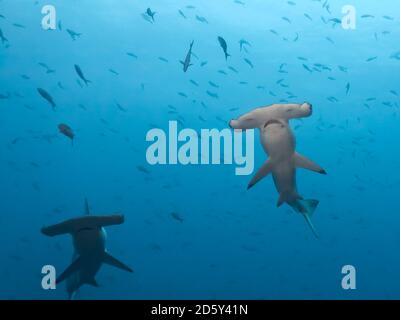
(259, 116)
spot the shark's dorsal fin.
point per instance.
(109, 259)
(87, 210)
(73, 267)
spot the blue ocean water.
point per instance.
(228, 243)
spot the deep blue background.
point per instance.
(232, 243)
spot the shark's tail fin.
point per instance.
(87, 81)
(307, 208)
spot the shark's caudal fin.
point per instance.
(109, 259)
(87, 210)
(307, 208)
(302, 162)
(265, 169)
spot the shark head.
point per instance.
(259, 116)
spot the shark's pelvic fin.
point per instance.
(109, 259)
(302, 162)
(92, 282)
(265, 169)
(73, 267)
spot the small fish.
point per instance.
(286, 19)
(364, 16)
(274, 32)
(186, 64)
(307, 68)
(233, 69)
(3, 97)
(182, 14)
(2, 37)
(201, 19)
(213, 84)
(163, 59)
(371, 59)
(18, 25)
(150, 13)
(59, 25)
(249, 62)
(224, 47)
(80, 74)
(132, 55)
(194, 83)
(343, 69)
(243, 43)
(120, 107)
(203, 63)
(308, 17)
(113, 72)
(182, 94)
(73, 34)
(66, 131)
(45, 95)
(330, 40)
(177, 217)
(347, 88)
(212, 94)
(142, 169)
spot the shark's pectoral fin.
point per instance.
(73, 267)
(182, 62)
(303, 162)
(265, 169)
(281, 200)
(57, 229)
(109, 259)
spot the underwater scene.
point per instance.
(198, 149)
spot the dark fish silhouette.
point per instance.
(66, 131)
(45, 95)
(2, 37)
(176, 217)
(80, 74)
(73, 34)
(186, 64)
(150, 13)
(224, 47)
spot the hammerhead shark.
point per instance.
(89, 238)
(279, 143)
